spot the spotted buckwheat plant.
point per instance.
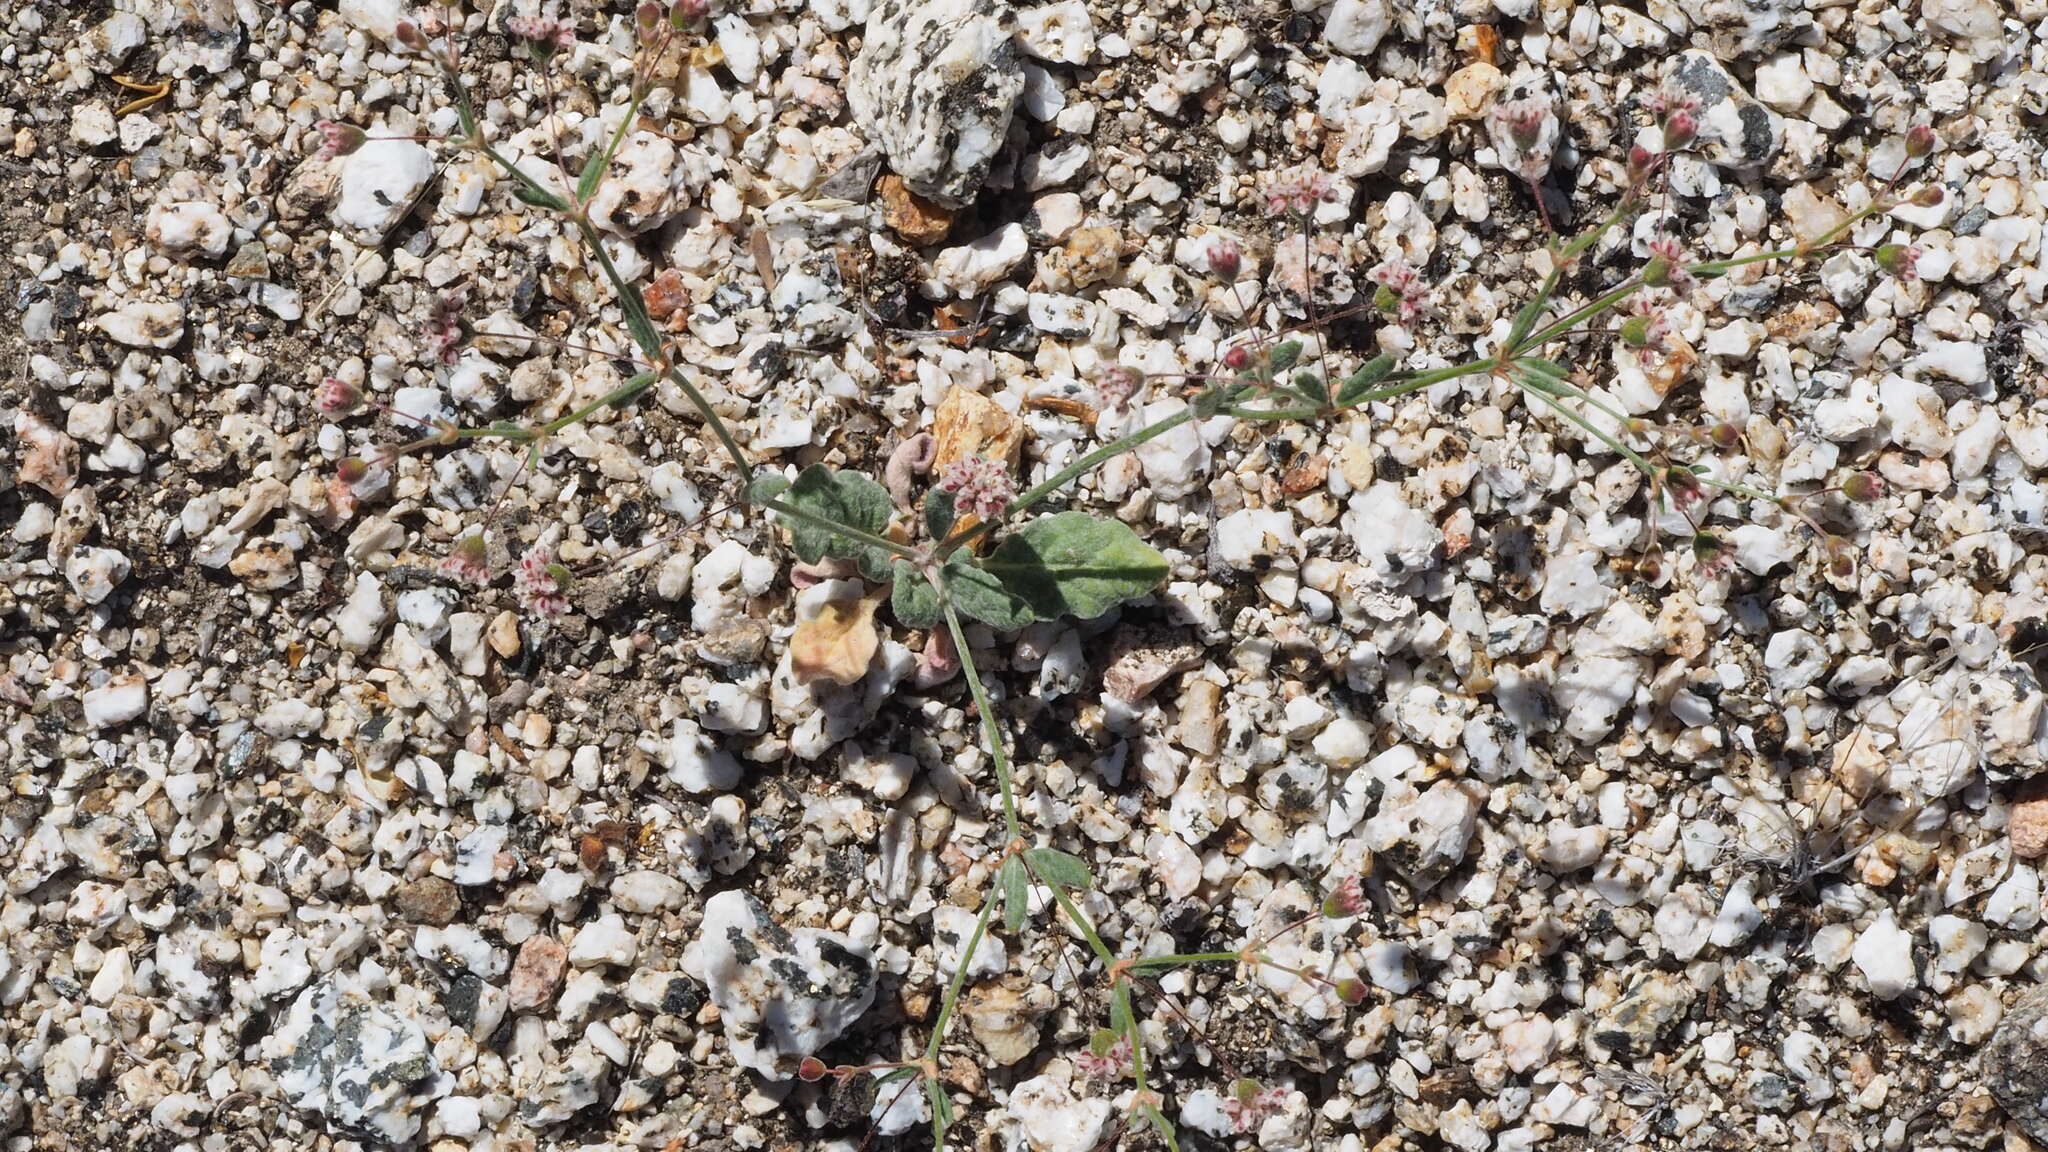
(540, 583)
(980, 552)
(980, 487)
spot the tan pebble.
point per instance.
(503, 635)
(911, 216)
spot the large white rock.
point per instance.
(378, 183)
(1053, 1119)
(935, 85)
(781, 994)
(1884, 954)
(360, 1064)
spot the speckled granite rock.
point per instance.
(935, 85)
(355, 1061)
(781, 994)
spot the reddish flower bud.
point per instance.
(1920, 141)
(1237, 358)
(1930, 196)
(1726, 435)
(1351, 990)
(337, 397)
(1640, 161)
(1347, 899)
(810, 1070)
(647, 18)
(1225, 259)
(353, 470)
(1679, 129)
(408, 35)
(338, 139)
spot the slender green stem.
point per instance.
(611, 399)
(959, 980)
(1073, 912)
(1059, 479)
(1633, 456)
(988, 718)
(1187, 960)
(782, 508)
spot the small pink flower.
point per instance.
(546, 32)
(1648, 331)
(1525, 133)
(1110, 1064)
(337, 397)
(1667, 267)
(1402, 291)
(540, 582)
(468, 561)
(980, 488)
(1225, 258)
(1665, 102)
(1249, 1105)
(1714, 553)
(337, 139)
(1299, 191)
(1116, 384)
(1346, 899)
(444, 325)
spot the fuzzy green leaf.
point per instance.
(847, 498)
(1016, 894)
(766, 486)
(1072, 564)
(1062, 868)
(1311, 386)
(938, 514)
(1284, 356)
(980, 595)
(942, 1111)
(913, 599)
(1360, 382)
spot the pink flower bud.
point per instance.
(337, 397)
(1237, 358)
(409, 36)
(1225, 259)
(338, 139)
(1920, 141)
(1680, 129)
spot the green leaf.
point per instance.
(1016, 894)
(847, 498)
(1543, 375)
(1284, 356)
(1360, 382)
(980, 595)
(539, 197)
(1062, 868)
(895, 1074)
(914, 601)
(766, 486)
(1072, 564)
(938, 514)
(1525, 320)
(1311, 385)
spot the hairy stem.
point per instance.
(988, 717)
